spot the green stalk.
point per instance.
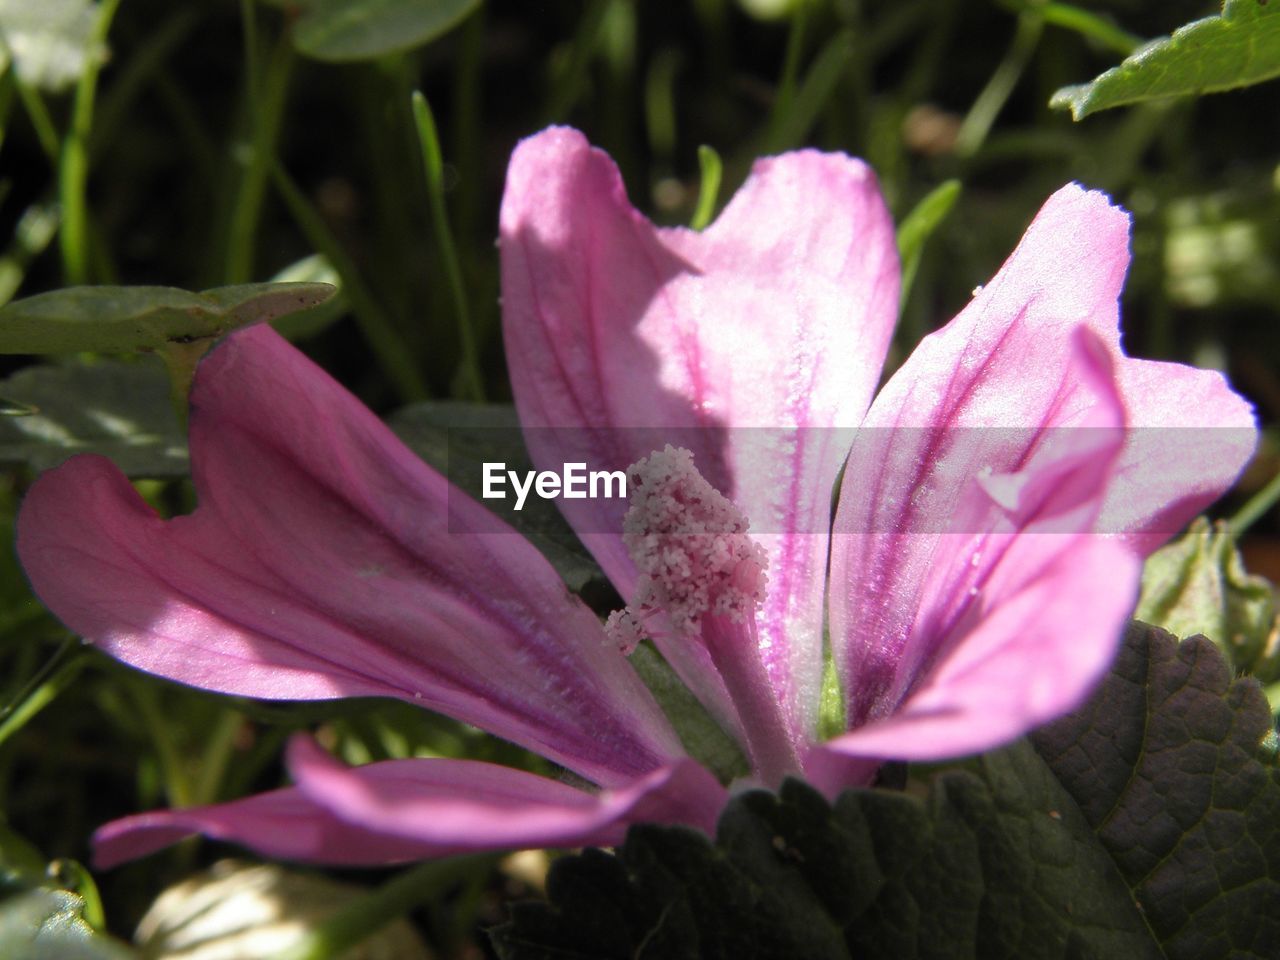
(218, 751)
(41, 692)
(660, 104)
(38, 114)
(176, 784)
(73, 169)
(708, 187)
(390, 350)
(367, 914)
(268, 95)
(571, 81)
(982, 115)
(467, 111)
(433, 167)
(6, 101)
(143, 63)
(918, 226)
(33, 234)
(790, 69)
(1091, 25)
(249, 35)
(1255, 508)
(791, 127)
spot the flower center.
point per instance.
(689, 543)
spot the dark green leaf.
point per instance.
(1165, 763)
(117, 409)
(344, 30)
(1238, 48)
(458, 438)
(999, 865)
(124, 319)
(995, 866)
(1146, 825)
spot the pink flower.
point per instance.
(997, 497)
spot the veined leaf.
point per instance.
(1237, 48)
(1145, 825)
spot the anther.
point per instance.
(690, 545)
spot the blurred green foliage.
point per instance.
(203, 144)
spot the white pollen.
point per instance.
(624, 630)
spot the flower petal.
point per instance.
(401, 810)
(745, 344)
(1190, 435)
(1001, 390)
(1048, 629)
(928, 514)
(325, 560)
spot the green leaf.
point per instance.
(458, 438)
(1238, 48)
(345, 30)
(1145, 825)
(42, 924)
(1198, 585)
(304, 324)
(123, 319)
(120, 410)
(1167, 766)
